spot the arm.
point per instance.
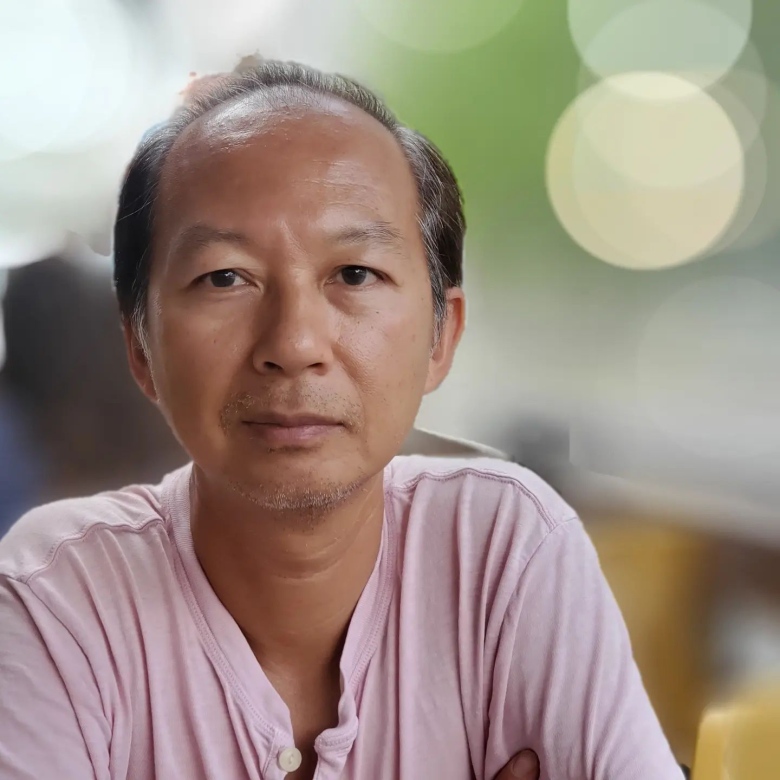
(51, 721)
(565, 683)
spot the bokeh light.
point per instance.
(746, 108)
(645, 170)
(658, 130)
(753, 196)
(681, 36)
(743, 91)
(708, 368)
(439, 25)
(746, 78)
(762, 166)
(79, 66)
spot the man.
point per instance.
(299, 602)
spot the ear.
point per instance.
(452, 328)
(138, 361)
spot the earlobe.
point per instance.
(138, 360)
(451, 330)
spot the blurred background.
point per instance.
(621, 166)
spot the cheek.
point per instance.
(390, 364)
(196, 368)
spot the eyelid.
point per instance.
(374, 271)
(240, 278)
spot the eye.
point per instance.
(223, 278)
(357, 275)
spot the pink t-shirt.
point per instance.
(486, 627)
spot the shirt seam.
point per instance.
(55, 550)
(492, 476)
(386, 595)
(370, 643)
(221, 662)
(215, 653)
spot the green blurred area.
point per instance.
(491, 109)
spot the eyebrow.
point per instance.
(200, 235)
(375, 232)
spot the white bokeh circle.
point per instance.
(80, 64)
(659, 130)
(645, 171)
(743, 91)
(708, 368)
(681, 36)
(438, 25)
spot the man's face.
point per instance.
(289, 316)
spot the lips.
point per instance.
(291, 431)
(300, 420)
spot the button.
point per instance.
(289, 759)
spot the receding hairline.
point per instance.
(241, 118)
(249, 116)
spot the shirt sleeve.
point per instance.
(565, 682)
(51, 722)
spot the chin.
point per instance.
(294, 499)
(294, 490)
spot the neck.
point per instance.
(290, 586)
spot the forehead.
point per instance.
(251, 165)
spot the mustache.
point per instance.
(300, 401)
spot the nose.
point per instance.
(295, 332)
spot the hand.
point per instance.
(525, 765)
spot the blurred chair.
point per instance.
(423, 442)
(740, 741)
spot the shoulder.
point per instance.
(478, 484)
(466, 533)
(75, 528)
(480, 505)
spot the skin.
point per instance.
(255, 306)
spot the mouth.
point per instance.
(291, 430)
(291, 420)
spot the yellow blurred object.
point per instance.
(741, 741)
(710, 760)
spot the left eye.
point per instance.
(224, 278)
(356, 275)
